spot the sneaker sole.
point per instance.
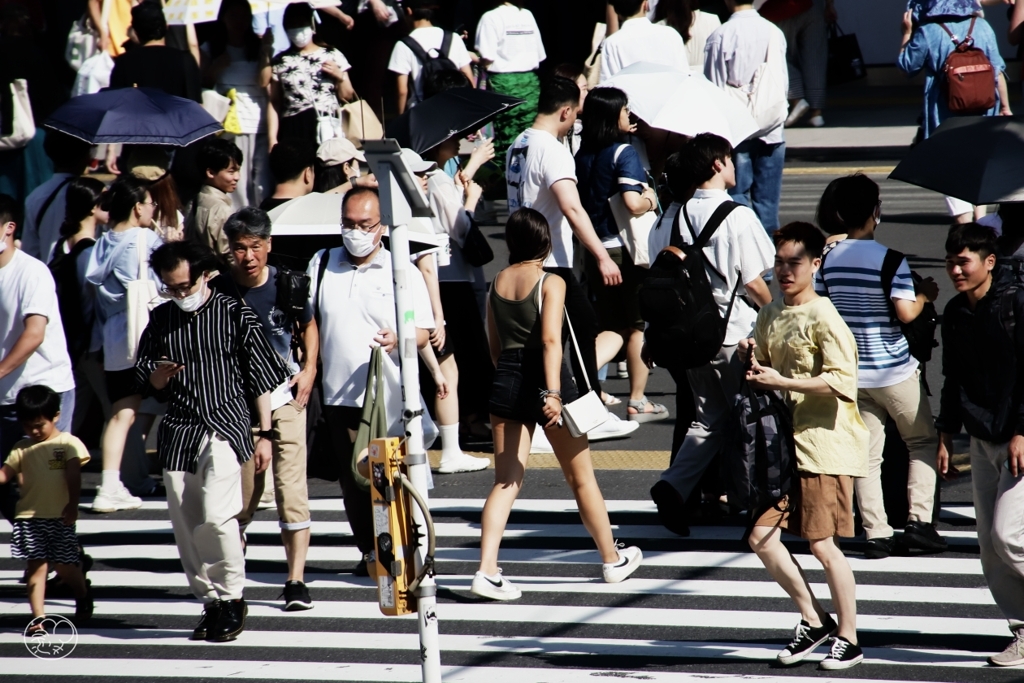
(457, 470)
(115, 508)
(797, 658)
(622, 434)
(1015, 662)
(648, 417)
(921, 543)
(836, 665)
(501, 597)
(297, 606)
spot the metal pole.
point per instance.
(416, 454)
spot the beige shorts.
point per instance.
(819, 506)
(289, 471)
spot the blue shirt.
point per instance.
(928, 49)
(601, 176)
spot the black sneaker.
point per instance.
(843, 655)
(362, 568)
(230, 621)
(921, 536)
(879, 548)
(805, 641)
(206, 622)
(671, 509)
(296, 596)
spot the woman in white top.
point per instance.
(692, 24)
(511, 50)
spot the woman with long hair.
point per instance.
(114, 264)
(692, 24)
(531, 384)
(608, 167)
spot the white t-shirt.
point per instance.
(740, 250)
(451, 219)
(535, 162)
(404, 61)
(509, 39)
(641, 41)
(27, 288)
(357, 303)
(853, 275)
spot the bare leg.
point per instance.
(35, 579)
(448, 408)
(511, 454)
(574, 456)
(638, 371)
(71, 575)
(841, 584)
(296, 545)
(121, 419)
(780, 563)
(608, 345)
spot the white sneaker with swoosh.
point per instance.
(495, 587)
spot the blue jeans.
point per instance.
(759, 179)
(11, 433)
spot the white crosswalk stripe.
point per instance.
(700, 599)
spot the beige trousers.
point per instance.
(907, 404)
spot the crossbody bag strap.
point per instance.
(49, 201)
(540, 294)
(576, 350)
(321, 269)
(140, 248)
(890, 266)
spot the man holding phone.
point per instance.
(219, 357)
(256, 284)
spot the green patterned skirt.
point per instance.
(508, 126)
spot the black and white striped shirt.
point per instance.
(225, 354)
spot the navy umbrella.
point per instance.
(453, 113)
(134, 116)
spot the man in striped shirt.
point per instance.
(206, 354)
(889, 378)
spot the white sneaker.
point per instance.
(495, 588)
(112, 501)
(623, 370)
(629, 559)
(540, 442)
(613, 428)
(799, 109)
(817, 121)
(462, 463)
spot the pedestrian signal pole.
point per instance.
(402, 199)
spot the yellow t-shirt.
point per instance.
(807, 341)
(44, 490)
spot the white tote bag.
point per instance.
(765, 95)
(635, 231)
(141, 297)
(588, 411)
(24, 128)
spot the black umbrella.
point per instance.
(133, 115)
(453, 113)
(979, 159)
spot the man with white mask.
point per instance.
(353, 300)
(206, 354)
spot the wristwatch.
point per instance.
(267, 434)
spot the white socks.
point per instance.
(111, 480)
(450, 442)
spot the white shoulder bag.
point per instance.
(141, 297)
(765, 96)
(635, 231)
(588, 411)
(23, 127)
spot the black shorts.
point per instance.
(518, 379)
(121, 384)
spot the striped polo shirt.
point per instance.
(853, 273)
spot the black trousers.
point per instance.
(584, 324)
(357, 501)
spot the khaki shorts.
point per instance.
(289, 471)
(820, 506)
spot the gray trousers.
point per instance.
(714, 386)
(807, 56)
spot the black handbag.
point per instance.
(845, 61)
(476, 250)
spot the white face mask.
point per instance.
(192, 302)
(359, 243)
(355, 170)
(300, 37)
(3, 246)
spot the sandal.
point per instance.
(657, 412)
(610, 400)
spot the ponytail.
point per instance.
(81, 198)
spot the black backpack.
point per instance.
(919, 332)
(685, 328)
(64, 268)
(760, 466)
(432, 65)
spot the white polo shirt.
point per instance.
(509, 39)
(641, 41)
(356, 303)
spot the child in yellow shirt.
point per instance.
(49, 463)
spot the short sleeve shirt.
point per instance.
(811, 340)
(403, 60)
(508, 38)
(601, 176)
(852, 272)
(535, 162)
(44, 490)
(303, 82)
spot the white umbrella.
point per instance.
(199, 11)
(687, 104)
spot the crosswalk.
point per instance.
(701, 607)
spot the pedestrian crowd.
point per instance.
(166, 294)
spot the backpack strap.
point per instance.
(321, 269)
(446, 43)
(49, 200)
(716, 220)
(675, 238)
(417, 49)
(890, 265)
(821, 269)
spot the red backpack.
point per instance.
(970, 78)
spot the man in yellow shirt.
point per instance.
(803, 348)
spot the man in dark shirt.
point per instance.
(153, 64)
(256, 284)
(291, 165)
(207, 355)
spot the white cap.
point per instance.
(415, 162)
(338, 151)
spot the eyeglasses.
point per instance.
(179, 291)
(345, 225)
(152, 203)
